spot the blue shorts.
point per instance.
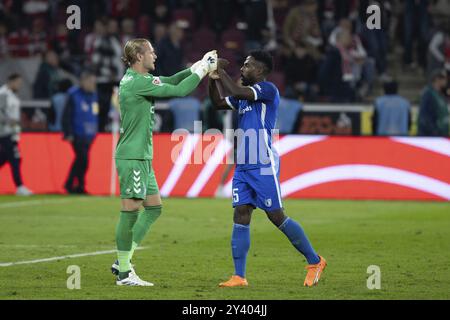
(260, 191)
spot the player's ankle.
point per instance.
(124, 275)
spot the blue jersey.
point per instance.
(83, 112)
(256, 122)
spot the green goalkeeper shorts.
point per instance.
(136, 178)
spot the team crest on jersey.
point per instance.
(156, 81)
(268, 202)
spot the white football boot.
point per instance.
(23, 191)
(133, 281)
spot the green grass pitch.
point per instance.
(187, 252)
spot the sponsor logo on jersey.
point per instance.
(157, 82)
(246, 109)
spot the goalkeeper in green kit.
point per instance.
(134, 153)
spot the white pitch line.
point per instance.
(17, 204)
(31, 203)
(78, 255)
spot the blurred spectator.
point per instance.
(162, 13)
(440, 11)
(159, 32)
(80, 126)
(60, 44)
(185, 112)
(287, 115)
(128, 31)
(256, 19)
(109, 69)
(58, 103)
(219, 14)
(170, 52)
(38, 38)
(416, 28)
(4, 50)
(330, 12)
(89, 41)
(392, 114)
(439, 50)
(124, 8)
(336, 77)
(376, 40)
(46, 82)
(302, 26)
(300, 71)
(35, 8)
(433, 113)
(18, 42)
(10, 130)
(112, 28)
(363, 67)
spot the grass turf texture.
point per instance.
(188, 250)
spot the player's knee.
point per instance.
(276, 217)
(131, 205)
(242, 214)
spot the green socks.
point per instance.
(142, 225)
(124, 239)
(130, 231)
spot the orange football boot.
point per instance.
(314, 272)
(235, 281)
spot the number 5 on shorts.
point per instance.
(235, 195)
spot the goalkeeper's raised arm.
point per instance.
(140, 57)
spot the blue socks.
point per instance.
(297, 236)
(240, 244)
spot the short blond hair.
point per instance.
(131, 50)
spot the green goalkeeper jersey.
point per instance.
(137, 93)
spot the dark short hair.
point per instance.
(265, 58)
(14, 76)
(391, 87)
(86, 73)
(437, 74)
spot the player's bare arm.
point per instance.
(213, 91)
(237, 91)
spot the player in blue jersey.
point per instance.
(256, 179)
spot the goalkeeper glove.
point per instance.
(211, 58)
(201, 68)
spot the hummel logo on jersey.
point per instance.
(247, 109)
(257, 86)
(126, 78)
(137, 181)
(268, 202)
